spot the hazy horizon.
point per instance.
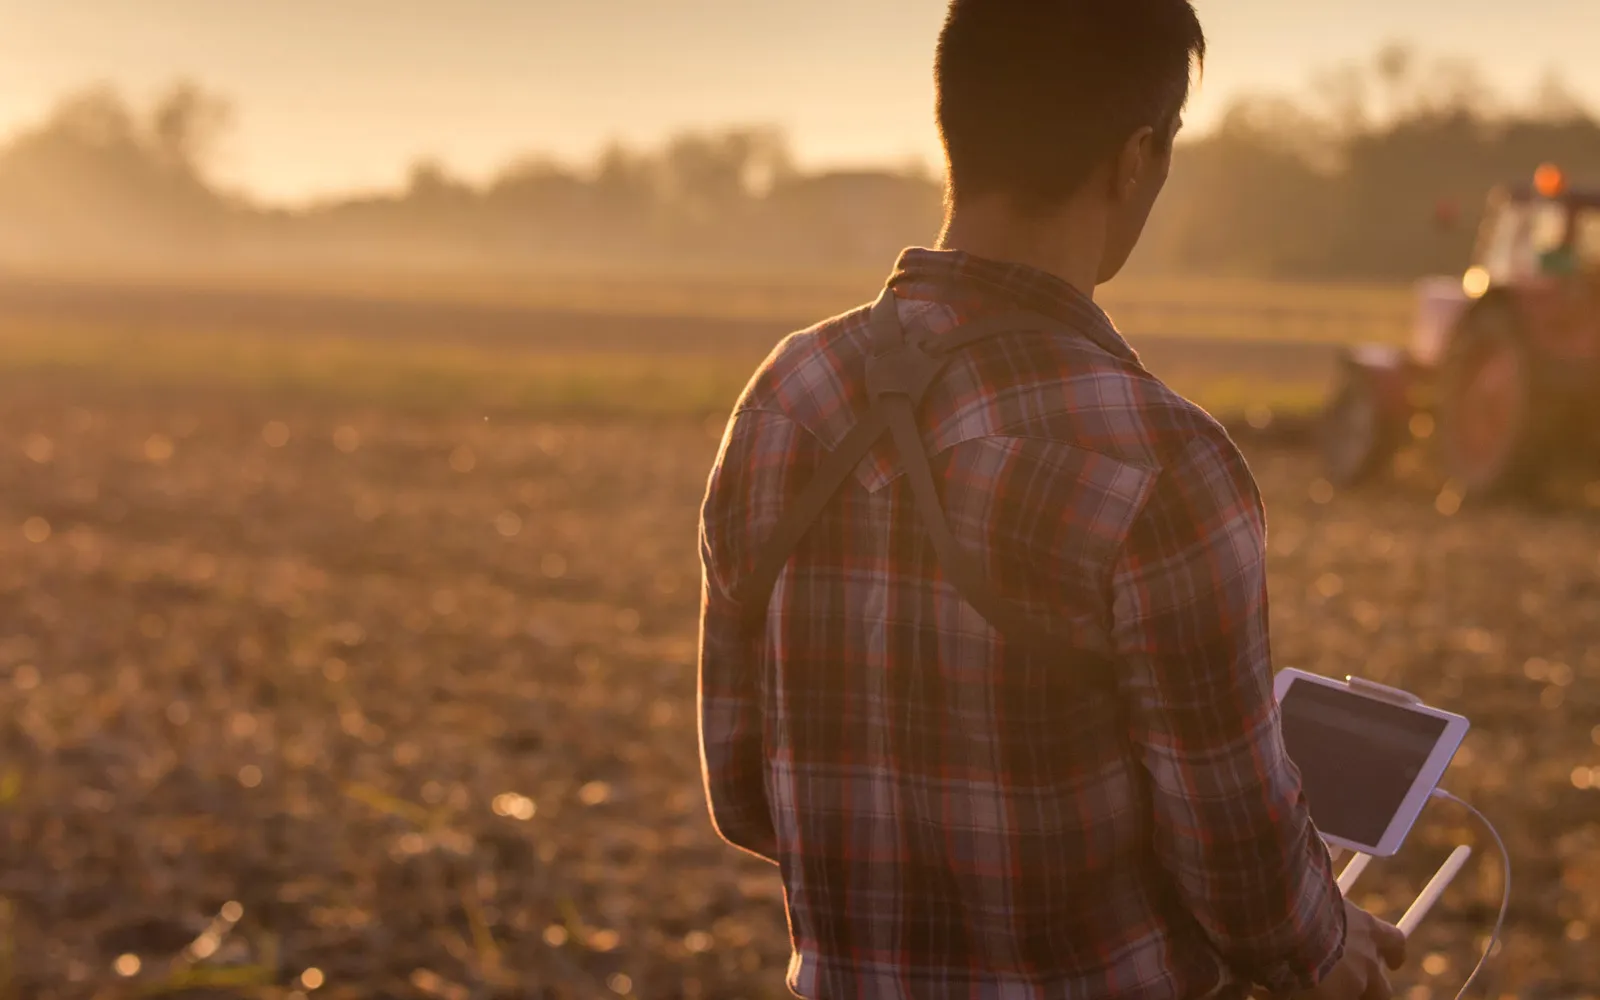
(477, 82)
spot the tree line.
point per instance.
(1380, 175)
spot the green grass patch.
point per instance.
(436, 376)
(1229, 397)
(1232, 308)
(368, 372)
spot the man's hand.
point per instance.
(1369, 945)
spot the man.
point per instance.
(957, 811)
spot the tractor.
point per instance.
(1502, 376)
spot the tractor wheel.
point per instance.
(1358, 438)
(1491, 428)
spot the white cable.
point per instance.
(1505, 898)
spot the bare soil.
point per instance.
(414, 693)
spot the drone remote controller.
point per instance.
(1370, 758)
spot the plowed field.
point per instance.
(404, 696)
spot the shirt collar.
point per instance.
(959, 277)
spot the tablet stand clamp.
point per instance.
(1381, 691)
(1430, 893)
(1452, 865)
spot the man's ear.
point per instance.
(1129, 167)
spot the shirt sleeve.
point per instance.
(730, 710)
(1231, 824)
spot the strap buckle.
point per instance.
(903, 370)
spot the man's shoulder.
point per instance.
(812, 377)
(1058, 385)
(1124, 412)
(1070, 389)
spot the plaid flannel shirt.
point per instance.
(952, 817)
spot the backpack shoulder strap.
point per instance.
(754, 592)
(899, 374)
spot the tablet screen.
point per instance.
(1358, 756)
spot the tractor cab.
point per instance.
(1532, 236)
(1500, 358)
(1534, 233)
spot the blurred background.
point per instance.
(361, 366)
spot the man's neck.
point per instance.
(1066, 242)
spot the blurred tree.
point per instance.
(1453, 88)
(94, 182)
(95, 118)
(1394, 67)
(429, 185)
(708, 172)
(626, 206)
(859, 218)
(1378, 172)
(1382, 173)
(538, 206)
(711, 186)
(1232, 191)
(1342, 96)
(1555, 101)
(187, 124)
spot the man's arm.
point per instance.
(732, 761)
(1231, 823)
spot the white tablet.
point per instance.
(1369, 756)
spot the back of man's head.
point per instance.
(1033, 95)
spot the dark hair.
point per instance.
(1034, 94)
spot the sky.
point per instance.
(336, 95)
